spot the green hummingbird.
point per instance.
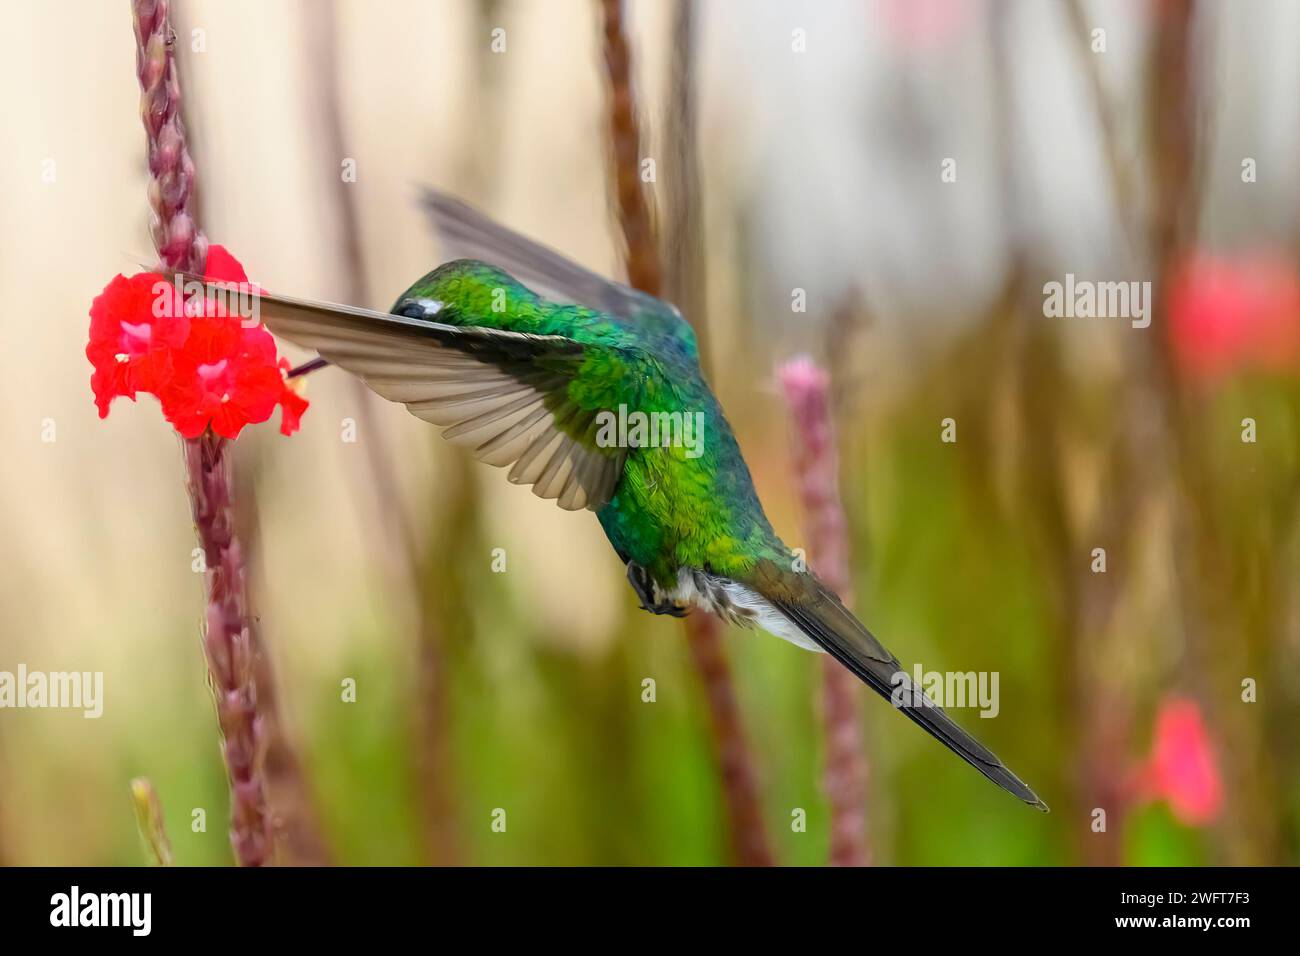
(529, 360)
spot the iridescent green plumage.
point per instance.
(670, 510)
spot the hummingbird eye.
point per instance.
(420, 308)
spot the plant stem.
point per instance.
(807, 392)
(228, 647)
(149, 817)
(226, 640)
(683, 210)
(642, 257)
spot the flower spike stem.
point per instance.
(226, 640)
(808, 394)
(227, 644)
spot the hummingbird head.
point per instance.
(463, 292)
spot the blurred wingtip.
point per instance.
(438, 201)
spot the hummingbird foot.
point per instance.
(652, 598)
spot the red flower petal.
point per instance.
(1182, 768)
(133, 325)
(224, 267)
(292, 406)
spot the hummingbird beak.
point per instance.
(411, 308)
(306, 367)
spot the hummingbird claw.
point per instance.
(644, 587)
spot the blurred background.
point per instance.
(918, 169)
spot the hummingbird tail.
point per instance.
(818, 613)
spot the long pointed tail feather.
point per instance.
(823, 618)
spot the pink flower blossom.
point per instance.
(1229, 315)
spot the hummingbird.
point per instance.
(523, 357)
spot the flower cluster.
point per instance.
(206, 367)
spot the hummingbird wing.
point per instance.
(504, 395)
(465, 233)
(816, 611)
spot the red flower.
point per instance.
(129, 349)
(225, 376)
(206, 367)
(1226, 315)
(1182, 768)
